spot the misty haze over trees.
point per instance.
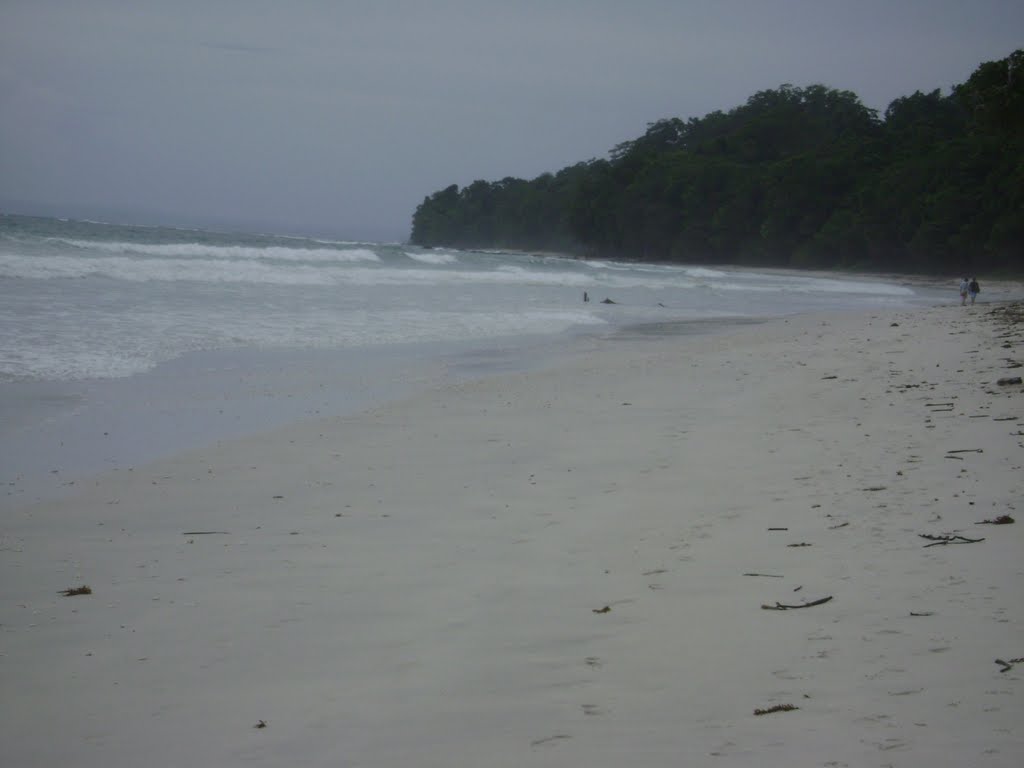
(799, 177)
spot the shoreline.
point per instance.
(57, 433)
(552, 567)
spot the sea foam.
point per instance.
(432, 257)
(234, 252)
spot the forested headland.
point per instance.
(800, 177)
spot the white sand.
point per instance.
(417, 585)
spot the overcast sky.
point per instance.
(337, 117)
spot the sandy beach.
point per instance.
(586, 565)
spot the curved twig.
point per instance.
(785, 607)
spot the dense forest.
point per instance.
(799, 177)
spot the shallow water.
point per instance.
(119, 345)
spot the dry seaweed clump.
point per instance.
(1010, 314)
(776, 708)
(85, 589)
(1001, 520)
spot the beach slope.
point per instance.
(769, 546)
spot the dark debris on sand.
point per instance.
(776, 708)
(85, 589)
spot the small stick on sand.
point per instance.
(766, 575)
(202, 533)
(784, 607)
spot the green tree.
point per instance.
(794, 176)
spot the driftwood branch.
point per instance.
(1007, 666)
(202, 533)
(941, 540)
(785, 607)
(766, 575)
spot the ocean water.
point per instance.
(119, 344)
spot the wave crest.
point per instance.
(232, 252)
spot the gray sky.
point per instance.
(339, 117)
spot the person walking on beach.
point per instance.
(973, 289)
(964, 287)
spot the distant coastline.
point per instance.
(805, 178)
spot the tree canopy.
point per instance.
(801, 177)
